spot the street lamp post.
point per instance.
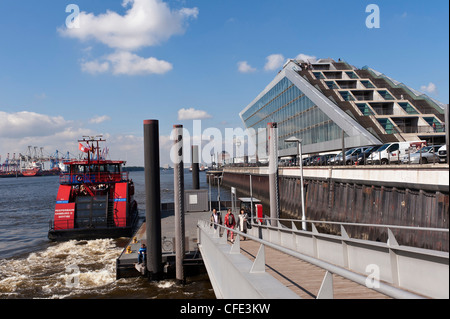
(299, 156)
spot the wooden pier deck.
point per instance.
(303, 278)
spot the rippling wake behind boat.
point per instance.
(66, 269)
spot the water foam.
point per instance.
(62, 270)
(165, 284)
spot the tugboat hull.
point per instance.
(91, 234)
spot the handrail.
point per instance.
(445, 230)
(355, 277)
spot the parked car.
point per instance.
(309, 161)
(351, 156)
(442, 153)
(427, 154)
(322, 160)
(286, 162)
(366, 154)
(335, 159)
(392, 152)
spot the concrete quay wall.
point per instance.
(399, 195)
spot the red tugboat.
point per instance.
(95, 198)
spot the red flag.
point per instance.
(83, 148)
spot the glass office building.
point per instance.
(294, 113)
(327, 102)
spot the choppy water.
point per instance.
(33, 267)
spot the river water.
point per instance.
(33, 267)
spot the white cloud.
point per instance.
(274, 62)
(430, 88)
(244, 67)
(23, 124)
(130, 147)
(94, 67)
(129, 63)
(99, 119)
(123, 62)
(145, 23)
(306, 58)
(20, 129)
(192, 114)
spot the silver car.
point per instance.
(425, 155)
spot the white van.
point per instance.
(442, 153)
(393, 152)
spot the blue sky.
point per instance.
(148, 59)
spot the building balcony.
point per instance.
(422, 129)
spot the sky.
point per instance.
(89, 67)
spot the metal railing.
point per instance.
(266, 220)
(439, 128)
(232, 275)
(404, 270)
(87, 178)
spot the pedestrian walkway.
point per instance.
(303, 278)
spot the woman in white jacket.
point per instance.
(243, 222)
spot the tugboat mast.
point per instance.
(91, 140)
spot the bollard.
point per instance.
(195, 167)
(273, 173)
(152, 198)
(178, 178)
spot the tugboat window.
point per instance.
(78, 169)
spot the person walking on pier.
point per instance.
(230, 222)
(243, 218)
(216, 218)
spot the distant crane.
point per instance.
(34, 157)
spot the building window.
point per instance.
(387, 125)
(347, 84)
(363, 95)
(386, 95)
(352, 75)
(408, 108)
(331, 85)
(319, 75)
(383, 108)
(347, 96)
(333, 75)
(365, 109)
(367, 84)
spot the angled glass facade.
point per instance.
(295, 114)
